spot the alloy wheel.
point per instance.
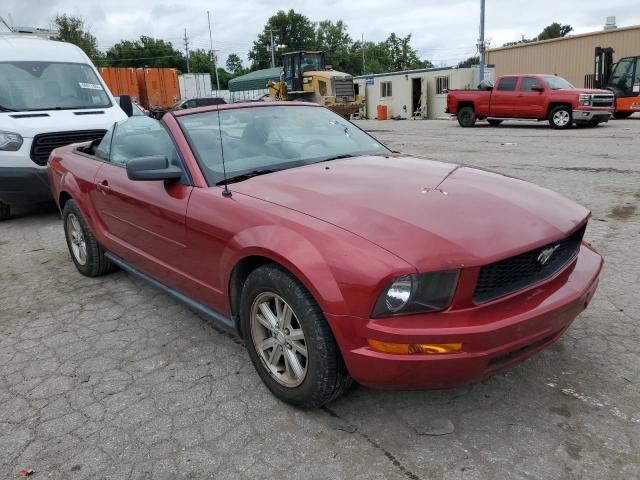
(561, 118)
(76, 239)
(278, 339)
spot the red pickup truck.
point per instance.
(539, 97)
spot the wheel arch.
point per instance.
(288, 249)
(465, 103)
(553, 105)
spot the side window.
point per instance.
(104, 147)
(189, 104)
(385, 89)
(507, 84)
(527, 83)
(141, 137)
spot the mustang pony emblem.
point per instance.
(545, 254)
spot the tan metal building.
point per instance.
(571, 57)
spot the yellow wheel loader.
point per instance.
(305, 77)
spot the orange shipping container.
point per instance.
(158, 87)
(121, 81)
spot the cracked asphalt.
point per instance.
(108, 378)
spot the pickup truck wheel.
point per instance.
(86, 253)
(466, 117)
(5, 211)
(288, 339)
(560, 117)
(494, 121)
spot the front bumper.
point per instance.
(589, 116)
(23, 186)
(493, 336)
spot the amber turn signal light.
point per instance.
(412, 348)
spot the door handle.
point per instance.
(103, 187)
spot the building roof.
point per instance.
(256, 80)
(568, 37)
(411, 72)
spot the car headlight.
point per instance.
(417, 293)
(584, 99)
(10, 141)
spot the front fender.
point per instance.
(294, 252)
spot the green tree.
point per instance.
(200, 61)
(475, 60)
(289, 28)
(333, 39)
(71, 29)
(234, 65)
(555, 30)
(145, 52)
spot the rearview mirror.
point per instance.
(537, 88)
(126, 104)
(156, 167)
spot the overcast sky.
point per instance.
(444, 31)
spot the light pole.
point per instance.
(481, 41)
(213, 54)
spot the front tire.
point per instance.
(87, 255)
(561, 118)
(466, 117)
(289, 341)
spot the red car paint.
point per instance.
(523, 104)
(345, 229)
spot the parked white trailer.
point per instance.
(194, 85)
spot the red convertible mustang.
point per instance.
(332, 257)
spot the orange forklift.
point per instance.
(622, 78)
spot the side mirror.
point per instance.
(156, 167)
(537, 88)
(126, 104)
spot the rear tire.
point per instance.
(466, 117)
(87, 255)
(561, 118)
(622, 115)
(5, 211)
(289, 341)
(494, 122)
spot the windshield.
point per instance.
(311, 63)
(50, 86)
(271, 138)
(557, 83)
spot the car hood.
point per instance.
(432, 214)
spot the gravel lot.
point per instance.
(108, 378)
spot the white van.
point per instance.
(50, 95)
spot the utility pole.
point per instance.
(481, 44)
(273, 51)
(363, 54)
(186, 48)
(213, 54)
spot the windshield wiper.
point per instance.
(6, 109)
(246, 176)
(337, 157)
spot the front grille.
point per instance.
(44, 143)
(343, 89)
(515, 273)
(602, 100)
